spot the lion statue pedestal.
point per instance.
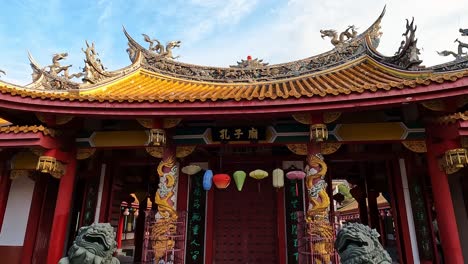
(359, 244)
(94, 244)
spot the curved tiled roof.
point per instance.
(357, 76)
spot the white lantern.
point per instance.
(278, 178)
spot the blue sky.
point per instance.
(213, 32)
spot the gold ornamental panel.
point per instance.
(418, 146)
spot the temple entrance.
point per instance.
(245, 228)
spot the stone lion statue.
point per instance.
(94, 244)
(359, 244)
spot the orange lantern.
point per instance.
(222, 181)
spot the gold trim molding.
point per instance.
(449, 119)
(417, 146)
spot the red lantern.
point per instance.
(222, 181)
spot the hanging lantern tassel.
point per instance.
(239, 178)
(296, 175)
(258, 175)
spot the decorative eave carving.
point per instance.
(26, 129)
(181, 151)
(305, 118)
(326, 148)
(349, 50)
(166, 122)
(84, 153)
(434, 105)
(57, 119)
(452, 118)
(417, 146)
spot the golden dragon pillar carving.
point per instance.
(164, 230)
(318, 223)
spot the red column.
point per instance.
(5, 184)
(281, 225)
(446, 220)
(62, 213)
(120, 227)
(33, 220)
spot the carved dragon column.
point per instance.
(318, 223)
(164, 230)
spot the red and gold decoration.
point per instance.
(456, 158)
(418, 146)
(163, 231)
(318, 132)
(51, 165)
(157, 137)
(317, 217)
(221, 180)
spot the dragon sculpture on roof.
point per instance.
(159, 49)
(344, 36)
(461, 45)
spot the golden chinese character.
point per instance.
(238, 133)
(253, 133)
(224, 134)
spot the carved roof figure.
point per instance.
(3, 72)
(159, 48)
(250, 63)
(343, 37)
(464, 32)
(461, 45)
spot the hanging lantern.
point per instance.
(258, 174)
(456, 158)
(157, 137)
(296, 175)
(278, 178)
(126, 212)
(318, 132)
(221, 181)
(207, 180)
(239, 179)
(191, 169)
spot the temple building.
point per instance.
(195, 164)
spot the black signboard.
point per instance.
(293, 202)
(196, 221)
(250, 133)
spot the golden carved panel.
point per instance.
(84, 153)
(434, 105)
(418, 146)
(303, 118)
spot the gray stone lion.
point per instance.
(94, 244)
(359, 244)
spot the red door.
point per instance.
(245, 228)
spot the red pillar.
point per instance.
(446, 220)
(33, 220)
(5, 184)
(281, 225)
(120, 227)
(62, 213)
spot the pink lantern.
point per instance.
(296, 175)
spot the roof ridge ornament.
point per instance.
(344, 36)
(159, 49)
(461, 45)
(2, 72)
(250, 63)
